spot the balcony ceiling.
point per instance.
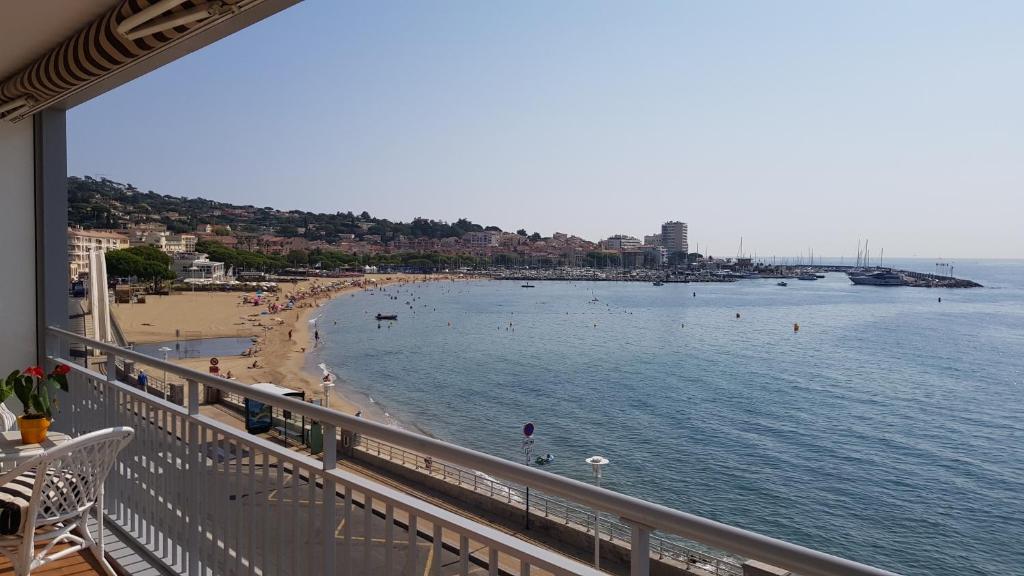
(30, 28)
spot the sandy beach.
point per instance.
(278, 358)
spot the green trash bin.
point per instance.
(316, 438)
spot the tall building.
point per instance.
(82, 242)
(673, 237)
(652, 240)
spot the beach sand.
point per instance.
(280, 360)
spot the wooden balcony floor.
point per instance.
(81, 564)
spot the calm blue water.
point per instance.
(889, 430)
(196, 348)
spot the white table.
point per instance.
(13, 452)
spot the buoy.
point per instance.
(796, 327)
(737, 314)
(940, 298)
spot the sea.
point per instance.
(888, 429)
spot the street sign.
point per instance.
(528, 429)
(214, 361)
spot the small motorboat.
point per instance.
(783, 283)
(386, 316)
(659, 283)
(527, 285)
(544, 460)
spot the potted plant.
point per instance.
(34, 388)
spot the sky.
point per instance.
(796, 125)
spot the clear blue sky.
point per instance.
(792, 124)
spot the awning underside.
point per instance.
(130, 31)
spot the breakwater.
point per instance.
(908, 278)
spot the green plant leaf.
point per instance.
(23, 390)
(42, 399)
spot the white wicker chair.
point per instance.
(67, 485)
(8, 420)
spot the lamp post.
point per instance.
(596, 462)
(328, 383)
(528, 430)
(165, 350)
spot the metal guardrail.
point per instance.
(540, 503)
(643, 517)
(549, 507)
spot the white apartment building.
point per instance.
(165, 241)
(622, 242)
(484, 239)
(81, 243)
(673, 237)
(196, 265)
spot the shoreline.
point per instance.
(277, 358)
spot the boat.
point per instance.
(528, 285)
(782, 283)
(878, 279)
(819, 275)
(659, 283)
(544, 460)
(807, 276)
(386, 316)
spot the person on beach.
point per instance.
(316, 336)
(289, 333)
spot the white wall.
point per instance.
(17, 247)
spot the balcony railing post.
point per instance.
(639, 550)
(109, 392)
(330, 461)
(194, 465)
(193, 397)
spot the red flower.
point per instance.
(34, 371)
(61, 369)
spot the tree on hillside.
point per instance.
(298, 258)
(143, 262)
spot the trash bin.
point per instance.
(316, 438)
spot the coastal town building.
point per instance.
(81, 243)
(622, 242)
(484, 239)
(655, 256)
(652, 240)
(673, 237)
(165, 241)
(196, 265)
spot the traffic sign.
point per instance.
(528, 429)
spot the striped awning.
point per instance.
(131, 30)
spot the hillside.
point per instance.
(103, 203)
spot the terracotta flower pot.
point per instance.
(33, 430)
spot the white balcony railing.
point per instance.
(204, 497)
